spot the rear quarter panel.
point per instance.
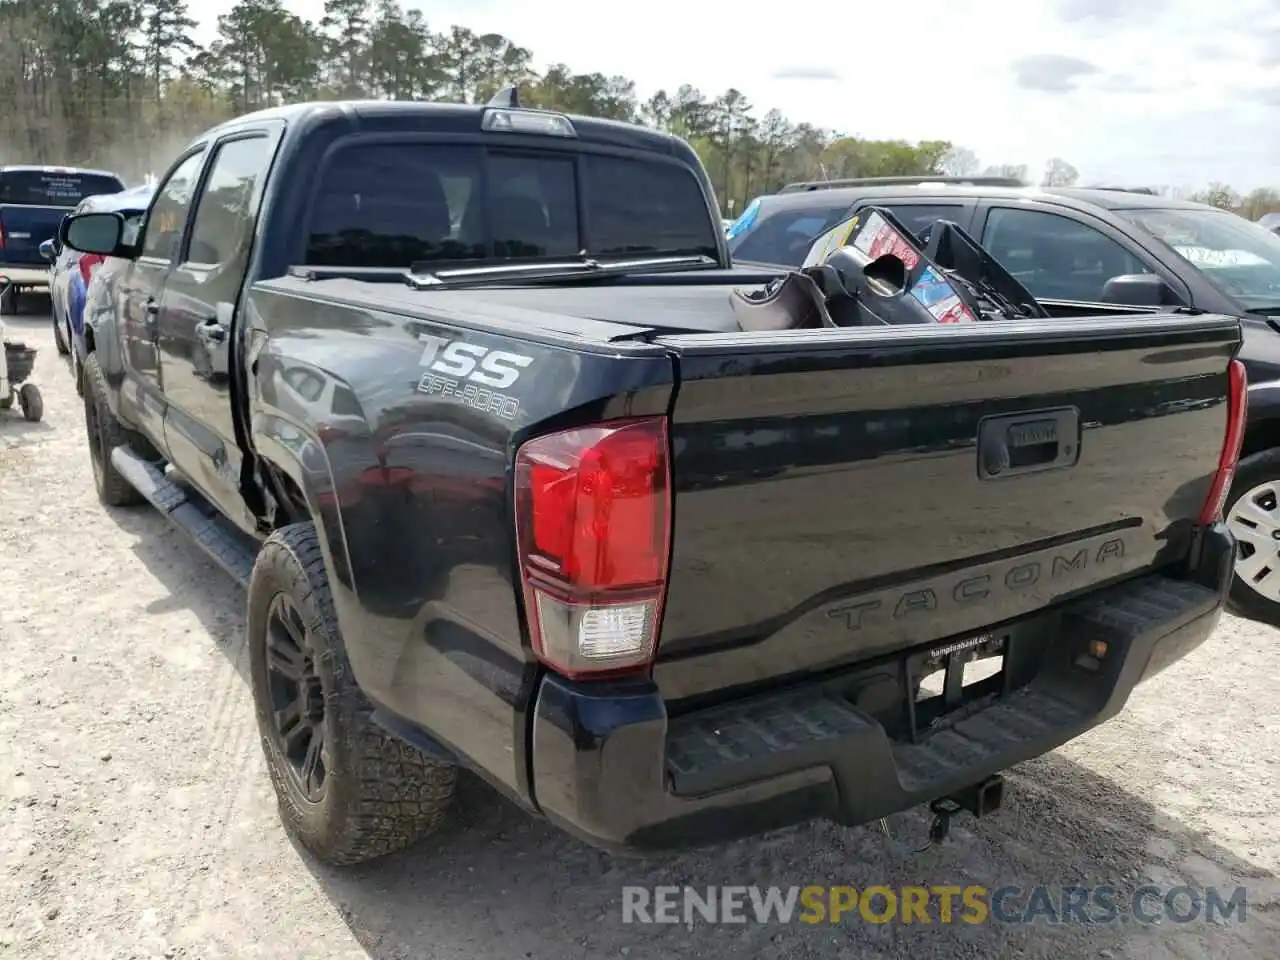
(409, 483)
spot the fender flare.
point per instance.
(318, 492)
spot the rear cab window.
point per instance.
(54, 188)
(393, 205)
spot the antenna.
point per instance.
(508, 97)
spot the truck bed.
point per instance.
(689, 308)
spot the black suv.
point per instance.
(1065, 245)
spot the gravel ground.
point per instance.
(136, 818)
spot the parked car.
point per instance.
(33, 201)
(1270, 221)
(1064, 245)
(659, 580)
(71, 271)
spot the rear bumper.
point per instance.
(612, 768)
(26, 275)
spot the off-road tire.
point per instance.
(1252, 471)
(381, 795)
(105, 433)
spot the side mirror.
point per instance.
(1138, 290)
(47, 251)
(98, 233)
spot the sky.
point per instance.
(1151, 92)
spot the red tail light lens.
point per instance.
(1237, 412)
(593, 529)
(87, 262)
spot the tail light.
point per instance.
(593, 531)
(1, 236)
(1237, 411)
(87, 262)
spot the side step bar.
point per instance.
(227, 546)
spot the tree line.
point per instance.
(121, 84)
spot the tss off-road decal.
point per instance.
(471, 374)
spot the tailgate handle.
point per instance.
(1022, 443)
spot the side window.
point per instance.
(916, 216)
(785, 237)
(345, 403)
(169, 212)
(306, 383)
(225, 211)
(1055, 257)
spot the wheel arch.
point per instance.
(1261, 434)
(300, 492)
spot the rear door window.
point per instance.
(53, 188)
(785, 237)
(393, 205)
(917, 216)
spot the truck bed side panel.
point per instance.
(405, 465)
(829, 506)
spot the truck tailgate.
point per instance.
(23, 228)
(844, 494)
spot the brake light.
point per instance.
(1237, 412)
(593, 531)
(87, 262)
(1, 236)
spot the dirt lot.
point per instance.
(136, 818)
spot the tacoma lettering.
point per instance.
(980, 587)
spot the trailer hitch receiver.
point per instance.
(980, 799)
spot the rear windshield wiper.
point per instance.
(578, 269)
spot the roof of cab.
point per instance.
(1110, 199)
(458, 115)
(53, 168)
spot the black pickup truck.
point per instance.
(459, 393)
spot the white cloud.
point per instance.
(1180, 92)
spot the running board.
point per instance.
(214, 534)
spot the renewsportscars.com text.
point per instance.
(936, 904)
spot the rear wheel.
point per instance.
(346, 790)
(1253, 515)
(105, 433)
